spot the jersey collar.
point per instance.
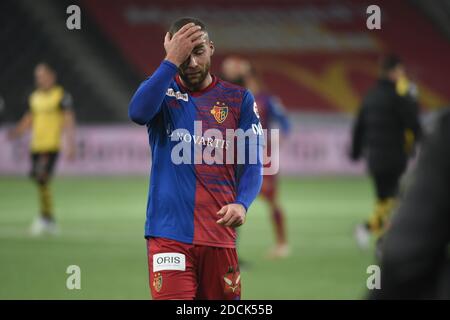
(200, 92)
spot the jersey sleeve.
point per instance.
(249, 119)
(358, 131)
(250, 173)
(409, 113)
(149, 97)
(277, 112)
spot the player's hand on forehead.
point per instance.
(180, 45)
(191, 30)
(186, 27)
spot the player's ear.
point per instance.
(211, 46)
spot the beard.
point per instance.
(194, 78)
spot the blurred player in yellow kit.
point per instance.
(50, 111)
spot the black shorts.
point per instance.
(387, 183)
(43, 164)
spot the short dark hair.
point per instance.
(46, 65)
(179, 23)
(389, 62)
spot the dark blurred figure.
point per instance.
(414, 263)
(270, 110)
(385, 132)
(2, 109)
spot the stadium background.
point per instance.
(318, 56)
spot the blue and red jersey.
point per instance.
(271, 110)
(185, 192)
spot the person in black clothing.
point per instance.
(2, 109)
(385, 132)
(415, 250)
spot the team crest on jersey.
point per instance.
(157, 281)
(220, 112)
(232, 281)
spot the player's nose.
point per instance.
(192, 62)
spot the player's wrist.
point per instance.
(172, 60)
(241, 204)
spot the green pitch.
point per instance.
(102, 221)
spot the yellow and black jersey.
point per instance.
(46, 108)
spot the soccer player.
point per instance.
(50, 111)
(194, 206)
(386, 129)
(240, 71)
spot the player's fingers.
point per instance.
(223, 210)
(184, 28)
(225, 218)
(198, 36)
(236, 220)
(195, 35)
(228, 216)
(198, 42)
(167, 38)
(193, 31)
(239, 222)
(233, 220)
(236, 224)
